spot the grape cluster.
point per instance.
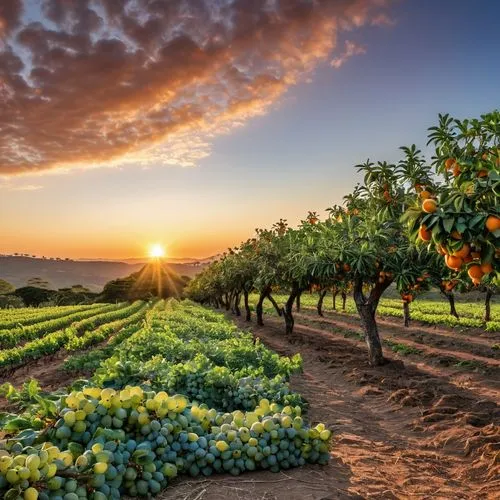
(107, 443)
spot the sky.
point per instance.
(192, 122)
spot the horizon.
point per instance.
(242, 130)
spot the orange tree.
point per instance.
(458, 211)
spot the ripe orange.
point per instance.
(463, 252)
(475, 272)
(387, 196)
(486, 267)
(456, 235)
(476, 281)
(424, 234)
(449, 163)
(456, 170)
(429, 206)
(453, 262)
(483, 173)
(492, 223)
(425, 195)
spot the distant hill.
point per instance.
(65, 273)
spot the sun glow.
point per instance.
(156, 251)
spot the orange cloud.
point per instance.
(95, 82)
(351, 49)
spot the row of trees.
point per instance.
(393, 229)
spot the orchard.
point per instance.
(411, 226)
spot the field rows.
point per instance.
(426, 311)
(208, 367)
(76, 332)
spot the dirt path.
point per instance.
(449, 347)
(400, 432)
(473, 336)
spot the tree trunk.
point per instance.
(406, 313)
(344, 298)
(259, 309)
(334, 299)
(451, 300)
(487, 305)
(248, 316)
(298, 301)
(367, 308)
(231, 298)
(322, 294)
(274, 303)
(288, 310)
(228, 302)
(237, 297)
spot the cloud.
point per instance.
(22, 187)
(382, 19)
(351, 49)
(89, 83)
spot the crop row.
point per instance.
(185, 348)
(84, 329)
(13, 337)
(26, 316)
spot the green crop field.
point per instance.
(176, 390)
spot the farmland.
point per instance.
(336, 361)
(230, 407)
(225, 377)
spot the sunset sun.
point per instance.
(156, 251)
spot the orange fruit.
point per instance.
(463, 252)
(425, 195)
(456, 170)
(424, 234)
(475, 272)
(492, 223)
(346, 268)
(483, 173)
(387, 196)
(449, 163)
(429, 206)
(456, 235)
(468, 259)
(441, 250)
(486, 267)
(475, 255)
(453, 262)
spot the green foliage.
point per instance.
(6, 287)
(132, 441)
